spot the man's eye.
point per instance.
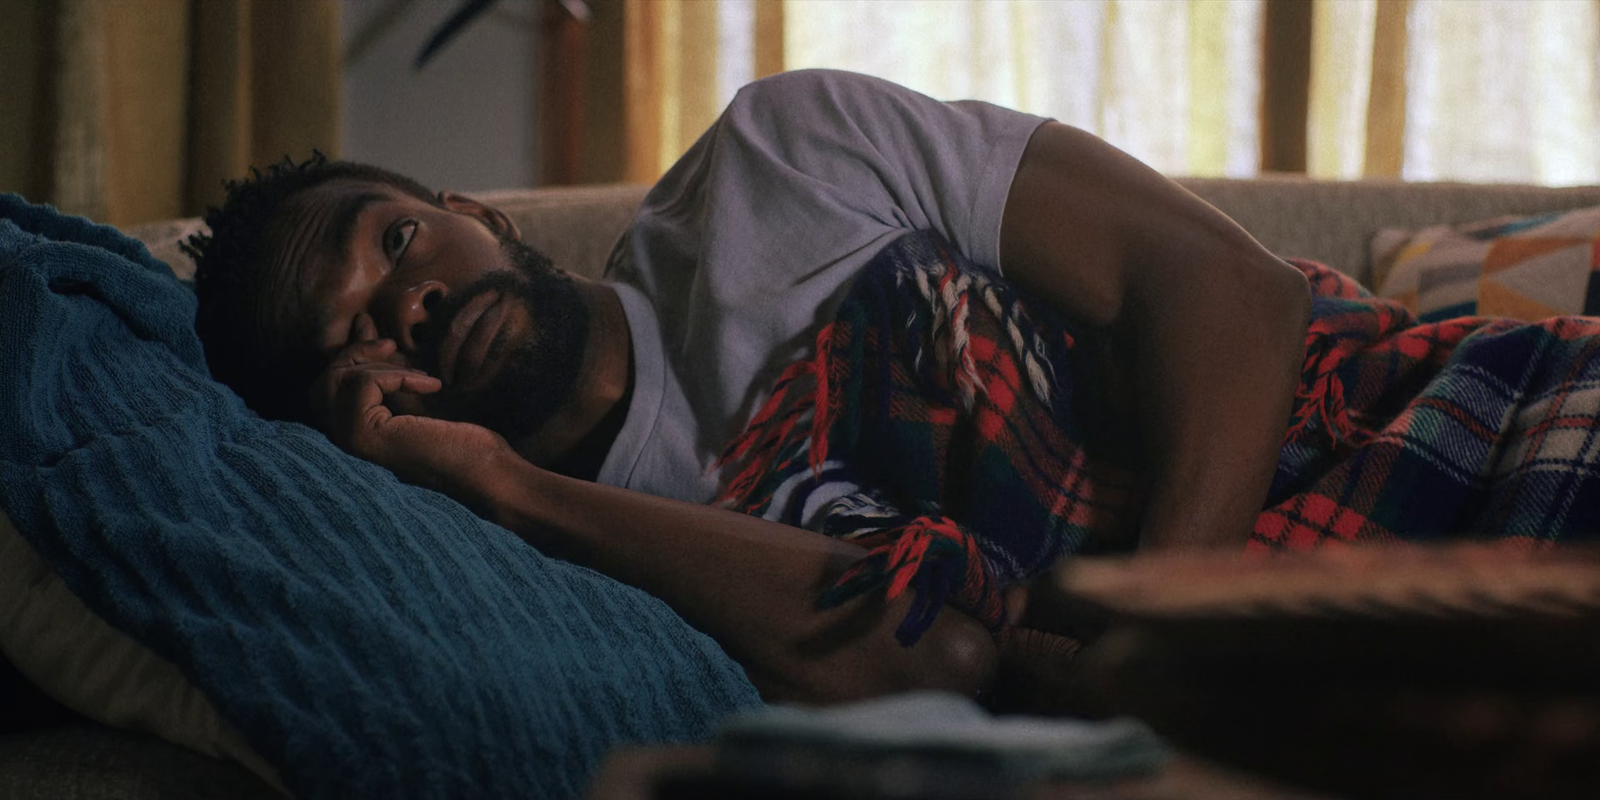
(398, 238)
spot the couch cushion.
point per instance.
(84, 761)
(27, 707)
(46, 632)
(1333, 221)
(576, 226)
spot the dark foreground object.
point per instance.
(85, 761)
(1457, 672)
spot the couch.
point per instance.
(52, 751)
(1328, 221)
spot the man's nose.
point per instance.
(413, 308)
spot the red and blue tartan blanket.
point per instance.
(969, 438)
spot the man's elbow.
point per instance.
(957, 654)
(1295, 298)
(1295, 292)
(1281, 294)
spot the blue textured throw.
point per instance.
(370, 638)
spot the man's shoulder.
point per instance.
(804, 90)
(814, 121)
(809, 80)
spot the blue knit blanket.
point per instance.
(370, 638)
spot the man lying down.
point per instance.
(865, 362)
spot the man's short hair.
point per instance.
(231, 280)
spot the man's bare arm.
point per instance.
(1214, 323)
(751, 584)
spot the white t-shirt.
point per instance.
(742, 251)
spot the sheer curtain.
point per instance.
(1478, 90)
(1473, 90)
(683, 61)
(1175, 84)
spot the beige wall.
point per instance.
(467, 120)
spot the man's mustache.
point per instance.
(430, 335)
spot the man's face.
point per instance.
(461, 297)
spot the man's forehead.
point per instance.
(308, 225)
(311, 242)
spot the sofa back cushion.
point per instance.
(1334, 221)
(1328, 221)
(575, 225)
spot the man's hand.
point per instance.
(352, 402)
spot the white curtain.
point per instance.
(1493, 90)
(1176, 84)
(1473, 90)
(1504, 91)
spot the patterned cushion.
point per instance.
(1523, 267)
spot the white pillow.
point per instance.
(74, 656)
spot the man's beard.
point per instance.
(539, 374)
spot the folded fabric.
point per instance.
(970, 439)
(1475, 427)
(369, 638)
(938, 423)
(927, 745)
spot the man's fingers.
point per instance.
(355, 399)
(389, 377)
(364, 328)
(358, 353)
(362, 387)
(418, 382)
(1016, 602)
(359, 403)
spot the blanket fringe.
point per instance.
(924, 555)
(946, 323)
(1321, 397)
(785, 415)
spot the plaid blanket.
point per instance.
(969, 438)
(1474, 427)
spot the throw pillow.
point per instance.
(1522, 267)
(367, 638)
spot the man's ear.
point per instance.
(491, 216)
